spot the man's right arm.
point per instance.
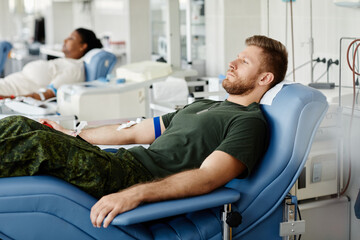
(141, 133)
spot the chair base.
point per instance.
(266, 229)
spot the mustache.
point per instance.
(232, 72)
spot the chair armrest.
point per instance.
(153, 211)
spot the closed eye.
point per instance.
(243, 59)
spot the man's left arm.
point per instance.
(217, 169)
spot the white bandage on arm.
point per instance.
(129, 124)
(41, 92)
(78, 128)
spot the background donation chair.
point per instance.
(43, 207)
(5, 48)
(98, 64)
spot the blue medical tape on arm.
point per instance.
(157, 127)
(51, 86)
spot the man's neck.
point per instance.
(244, 100)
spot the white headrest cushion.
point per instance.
(272, 92)
(88, 56)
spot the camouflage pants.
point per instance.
(29, 148)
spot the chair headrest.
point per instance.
(98, 63)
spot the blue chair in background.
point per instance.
(357, 206)
(98, 64)
(44, 207)
(5, 48)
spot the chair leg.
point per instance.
(291, 228)
(226, 227)
(230, 219)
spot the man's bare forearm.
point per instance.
(217, 169)
(142, 133)
(107, 135)
(184, 184)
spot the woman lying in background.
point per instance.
(40, 79)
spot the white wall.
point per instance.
(7, 26)
(138, 41)
(121, 20)
(228, 24)
(59, 19)
(111, 19)
(104, 17)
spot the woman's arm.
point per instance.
(47, 94)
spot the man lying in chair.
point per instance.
(202, 146)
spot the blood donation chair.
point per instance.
(44, 207)
(98, 64)
(5, 48)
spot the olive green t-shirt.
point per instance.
(194, 132)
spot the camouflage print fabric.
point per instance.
(29, 148)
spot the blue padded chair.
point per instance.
(357, 206)
(5, 48)
(44, 207)
(98, 64)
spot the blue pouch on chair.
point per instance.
(357, 206)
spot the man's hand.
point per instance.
(113, 204)
(55, 126)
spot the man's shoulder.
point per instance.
(253, 115)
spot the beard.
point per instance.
(239, 86)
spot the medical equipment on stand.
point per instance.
(99, 100)
(175, 93)
(30, 106)
(35, 109)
